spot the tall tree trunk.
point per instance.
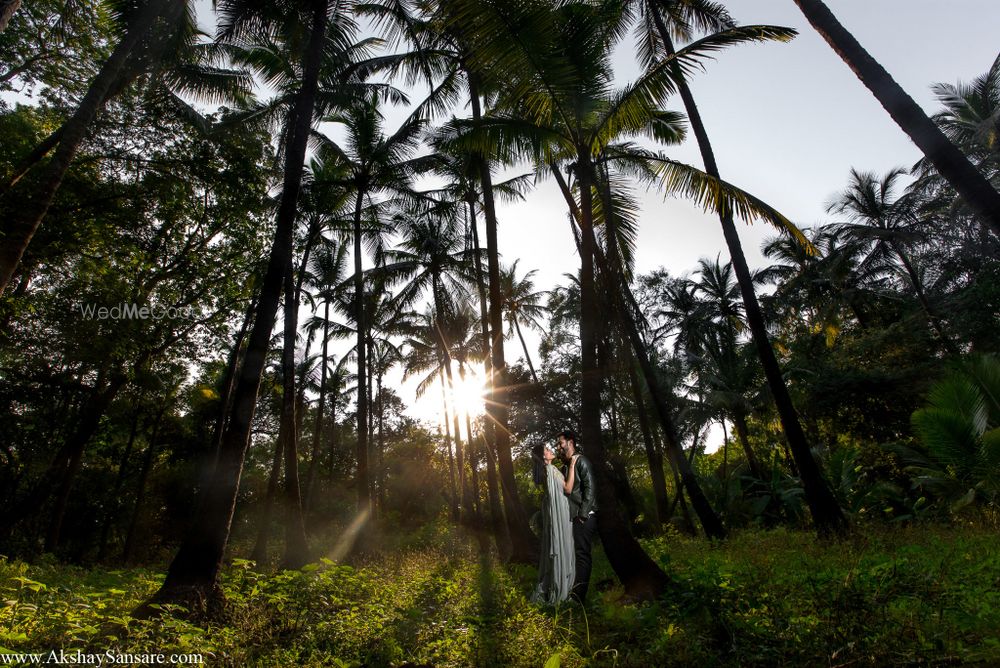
(296, 547)
(140, 493)
(638, 573)
(193, 574)
(523, 547)
(18, 230)
(226, 400)
(364, 500)
(453, 497)
(259, 554)
(380, 402)
(524, 347)
(933, 318)
(653, 458)
(950, 162)
(320, 407)
(826, 512)
(709, 520)
(740, 421)
(501, 530)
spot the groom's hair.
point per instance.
(569, 435)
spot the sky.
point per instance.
(787, 121)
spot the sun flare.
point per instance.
(470, 394)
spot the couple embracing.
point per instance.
(569, 521)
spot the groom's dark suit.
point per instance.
(582, 513)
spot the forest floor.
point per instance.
(920, 595)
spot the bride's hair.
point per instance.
(538, 464)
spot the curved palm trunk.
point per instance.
(18, 230)
(740, 420)
(193, 574)
(825, 510)
(226, 400)
(933, 319)
(950, 162)
(498, 407)
(638, 573)
(501, 532)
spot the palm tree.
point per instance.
(971, 117)
(952, 164)
(683, 18)
(193, 573)
(885, 226)
(375, 164)
(521, 303)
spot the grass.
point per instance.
(923, 595)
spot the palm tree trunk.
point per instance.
(18, 230)
(638, 573)
(933, 319)
(364, 500)
(740, 421)
(259, 554)
(501, 531)
(320, 407)
(524, 346)
(825, 510)
(193, 574)
(950, 162)
(653, 458)
(498, 407)
(709, 520)
(226, 400)
(296, 547)
(453, 498)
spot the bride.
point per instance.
(557, 567)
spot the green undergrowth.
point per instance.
(925, 595)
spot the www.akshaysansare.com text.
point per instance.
(108, 658)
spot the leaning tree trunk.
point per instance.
(653, 458)
(825, 510)
(950, 162)
(709, 520)
(18, 230)
(498, 407)
(638, 573)
(229, 382)
(524, 347)
(453, 497)
(193, 574)
(501, 530)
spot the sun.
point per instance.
(470, 394)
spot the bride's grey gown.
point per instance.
(557, 566)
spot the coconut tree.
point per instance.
(950, 162)
(886, 228)
(375, 164)
(521, 304)
(193, 573)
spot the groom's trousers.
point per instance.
(583, 538)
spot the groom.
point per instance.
(582, 512)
